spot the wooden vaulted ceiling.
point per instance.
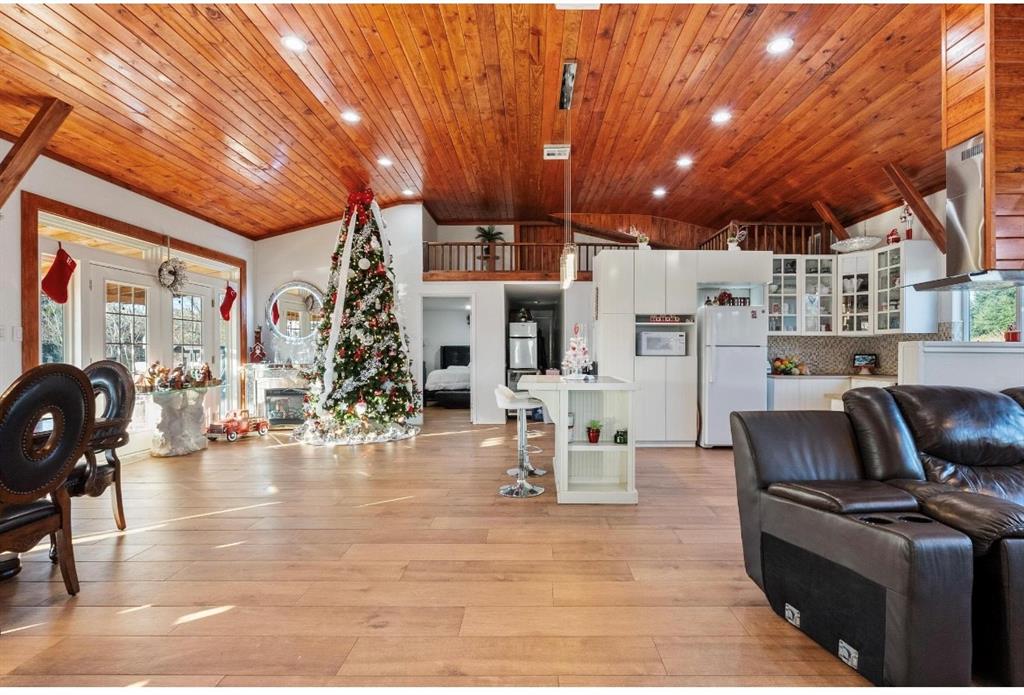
(202, 107)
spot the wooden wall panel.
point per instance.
(964, 39)
(1006, 128)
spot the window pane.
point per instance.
(992, 313)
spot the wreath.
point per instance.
(173, 275)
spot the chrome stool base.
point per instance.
(520, 488)
(530, 470)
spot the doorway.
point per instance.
(447, 370)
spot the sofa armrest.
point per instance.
(921, 489)
(985, 519)
(846, 496)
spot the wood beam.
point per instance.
(830, 219)
(917, 203)
(30, 145)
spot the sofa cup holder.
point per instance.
(876, 520)
(888, 521)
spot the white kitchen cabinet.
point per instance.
(649, 282)
(680, 404)
(650, 419)
(681, 282)
(899, 308)
(855, 293)
(817, 295)
(804, 392)
(613, 276)
(615, 345)
(667, 407)
(741, 267)
(784, 296)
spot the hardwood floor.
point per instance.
(264, 562)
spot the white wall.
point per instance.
(66, 184)
(442, 327)
(880, 224)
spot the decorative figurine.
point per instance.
(235, 424)
(257, 354)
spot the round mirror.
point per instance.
(294, 310)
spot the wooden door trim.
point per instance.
(32, 204)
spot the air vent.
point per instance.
(972, 152)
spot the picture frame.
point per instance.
(865, 362)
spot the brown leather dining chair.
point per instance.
(111, 381)
(46, 420)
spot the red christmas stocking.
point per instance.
(55, 284)
(275, 314)
(229, 299)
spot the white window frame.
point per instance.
(965, 312)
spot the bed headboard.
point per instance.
(454, 355)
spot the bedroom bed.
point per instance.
(449, 386)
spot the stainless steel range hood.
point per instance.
(965, 226)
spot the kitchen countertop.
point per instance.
(879, 377)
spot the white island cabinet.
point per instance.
(585, 473)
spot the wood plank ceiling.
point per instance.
(201, 106)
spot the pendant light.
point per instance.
(567, 265)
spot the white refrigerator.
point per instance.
(732, 365)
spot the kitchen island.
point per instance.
(585, 473)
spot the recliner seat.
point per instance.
(960, 453)
(847, 559)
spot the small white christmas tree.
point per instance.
(577, 356)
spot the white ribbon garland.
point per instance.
(339, 308)
(385, 244)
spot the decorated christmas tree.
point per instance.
(361, 385)
(577, 356)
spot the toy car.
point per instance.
(237, 424)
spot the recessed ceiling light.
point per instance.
(350, 116)
(293, 43)
(721, 116)
(408, 192)
(684, 162)
(659, 192)
(780, 44)
(384, 162)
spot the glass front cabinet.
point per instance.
(817, 294)
(855, 274)
(863, 293)
(899, 308)
(784, 295)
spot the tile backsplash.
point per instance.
(834, 354)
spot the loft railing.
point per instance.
(778, 237)
(479, 260)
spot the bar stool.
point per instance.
(525, 437)
(510, 400)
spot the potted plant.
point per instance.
(594, 431)
(489, 235)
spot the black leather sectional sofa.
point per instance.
(884, 531)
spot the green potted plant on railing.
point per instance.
(489, 235)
